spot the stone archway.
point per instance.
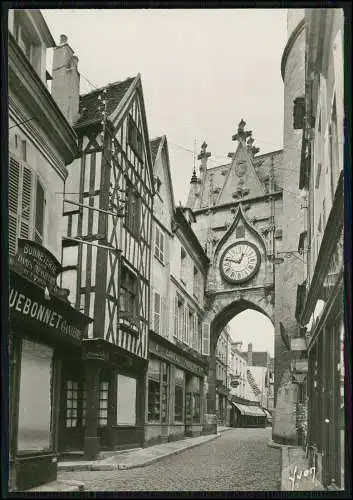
(221, 308)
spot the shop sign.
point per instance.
(172, 356)
(298, 344)
(100, 356)
(39, 266)
(41, 314)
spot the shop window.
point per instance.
(179, 395)
(132, 210)
(126, 400)
(157, 391)
(84, 396)
(159, 245)
(128, 294)
(71, 403)
(34, 419)
(103, 403)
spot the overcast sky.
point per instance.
(202, 71)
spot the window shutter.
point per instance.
(186, 324)
(26, 203)
(157, 313)
(14, 183)
(194, 341)
(206, 339)
(161, 246)
(164, 316)
(176, 318)
(40, 207)
(156, 248)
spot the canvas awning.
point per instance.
(251, 411)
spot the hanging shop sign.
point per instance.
(28, 305)
(39, 266)
(169, 355)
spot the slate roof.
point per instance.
(89, 103)
(154, 143)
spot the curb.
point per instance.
(99, 466)
(59, 485)
(284, 466)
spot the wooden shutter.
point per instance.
(39, 220)
(14, 188)
(194, 337)
(206, 339)
(186, 324)
(176, 317)
(164, 330)
(26, 203)
(157, 313)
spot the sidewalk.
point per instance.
(127, 459)
(138, 458)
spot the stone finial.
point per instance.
(63, 39)
(242, 134)
(203, 152)
(193, 177)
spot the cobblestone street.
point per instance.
(239, 460)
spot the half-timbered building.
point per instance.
(177, 350)
(106, 250)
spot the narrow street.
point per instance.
(239, 460)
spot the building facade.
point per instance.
(290, 268)
(43, 327)
(320, 311)
(178, 346)
(106, 249)
(222, 386)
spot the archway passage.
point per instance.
(221, 312)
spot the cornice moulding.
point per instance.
(28, 87)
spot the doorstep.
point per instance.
(137, 457)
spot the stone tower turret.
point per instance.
(290, 272)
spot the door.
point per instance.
(72, 408)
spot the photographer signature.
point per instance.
(297, 476)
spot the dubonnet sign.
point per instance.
(38, 265)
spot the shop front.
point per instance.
(247, 415)
(175, 392)
(43, 329)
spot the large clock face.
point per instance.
(240, 262)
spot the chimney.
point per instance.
(66, 80)
(249, 354)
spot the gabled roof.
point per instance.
(89, 103)
(157, 145)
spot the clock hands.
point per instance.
(236, 261)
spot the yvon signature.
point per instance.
(298, 475)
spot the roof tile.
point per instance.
(89, 103)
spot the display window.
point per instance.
(35, 397)
(158, 382)
(126, 400)
(179, 395)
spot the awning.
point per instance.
(251, 411)
(267, 413)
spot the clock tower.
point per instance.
(237, 209)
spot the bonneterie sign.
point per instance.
(38, 265)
